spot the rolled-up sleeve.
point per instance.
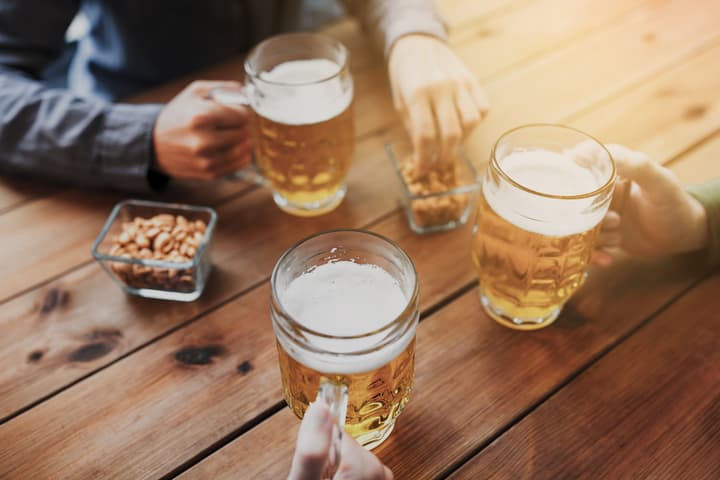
(54, 133)
(388, 20)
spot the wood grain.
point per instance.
(473, 377)
(665, 115)
(584, 73)
(513, 37)
(701, 163)
(183, 381)
(649, 409)
(240, 330)
(238, 233)
(250, 223)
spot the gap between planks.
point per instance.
(554, 391)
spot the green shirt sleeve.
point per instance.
(709, 195)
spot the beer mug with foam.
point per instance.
(344, 309)
(544, 194)
(300, 91)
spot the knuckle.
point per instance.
(205, 165)
(199, 120)
(198, 146)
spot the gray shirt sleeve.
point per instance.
(55, 133)
(388, 20)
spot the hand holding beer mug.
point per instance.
(544, 194)
(300, 91)
(344, 309)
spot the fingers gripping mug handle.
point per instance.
(238, 97)
(335, 396)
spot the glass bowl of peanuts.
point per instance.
(438, 200)
(157, 250)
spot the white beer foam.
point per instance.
(550, 173)
(343, 299)
(299, 102)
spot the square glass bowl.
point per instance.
(431, 209)
(151, 277)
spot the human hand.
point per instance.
(651, 213)
(197, 138)
(313, 446)
(438, 98)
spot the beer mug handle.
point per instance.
(238, 97)
(335, 396)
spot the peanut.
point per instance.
(162, 237)
(433, 211)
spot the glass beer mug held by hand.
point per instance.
(300, 92)
(344, 310)
(543, 197)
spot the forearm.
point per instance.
(388, 20)
(56, 134)
(708, 194)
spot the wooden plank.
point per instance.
(251, 223)
(533, 29)
(589, 70)
(153, 404)
(700, 164)
(47, 237)
(251, 339)
(473, 377)
(461, 13)
(649, 409)
(238, 272)
(16, 191)
(665, 115)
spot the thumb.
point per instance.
(313, 443)
(638, 167)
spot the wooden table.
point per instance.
(626, 384)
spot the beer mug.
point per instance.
(344, 310)
(543, 196)
(300, 91)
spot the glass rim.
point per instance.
(342, 66)
(404, 314)
(605, 186)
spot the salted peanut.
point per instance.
(152, 232)
(142, 241)
(162, 237)
(162, 242)
(123, 238)
(165, 219)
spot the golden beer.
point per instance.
(526, 274)
(300, 93)
(543, 197)
(306, 164)
(375, 397)
(344, 310)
